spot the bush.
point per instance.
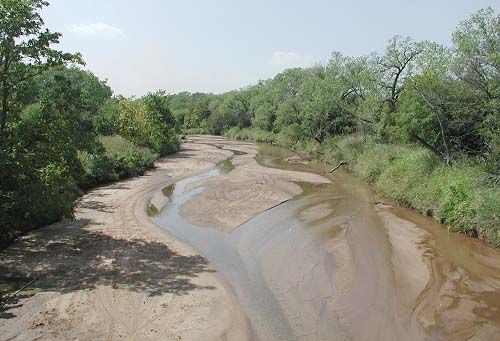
(126, 158)
(458, 195)
(146, 126)
(98, 168)
(32, 196)
(487, 216)
(117, 159)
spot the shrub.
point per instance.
(127, 159)
(31, 196)
(196, 131)
(118, 158)
(98, 168)
(146, 127)
(458, 195)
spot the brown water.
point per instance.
(333, 265)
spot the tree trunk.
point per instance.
(5, 99)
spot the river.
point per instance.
(339, 262)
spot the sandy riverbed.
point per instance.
(112, 274)
(228, 201)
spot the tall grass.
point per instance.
(285, 138)
(254, 135)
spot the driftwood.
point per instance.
(340, 164)
(17, 292)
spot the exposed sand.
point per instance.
(228, 201)
(112, 274)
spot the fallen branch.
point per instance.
(340, 164)
(17, 292)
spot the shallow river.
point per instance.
(337, 263)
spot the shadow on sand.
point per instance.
(75, 258)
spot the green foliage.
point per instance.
(33, 190)
(114, 159)
(25, 52)
(478, 52)
(342, 149)
(197, 131)
(105, 122)
(402, 173)
(255, 135)
(145, 125)
(126, 158)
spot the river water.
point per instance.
(336, 263)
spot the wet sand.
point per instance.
(331, 263)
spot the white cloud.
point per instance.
(291, 59)
(97, 29)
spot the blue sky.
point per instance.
(216, 46)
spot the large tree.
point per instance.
(396, 65)
(25, 51)
(477, 44)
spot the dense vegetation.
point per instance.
(420, 121)
(61, 129)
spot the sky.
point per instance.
(217, 46)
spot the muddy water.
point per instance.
(333, 265)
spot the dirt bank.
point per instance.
(112, 274)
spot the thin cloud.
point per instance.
(97, 29)
(290, 59)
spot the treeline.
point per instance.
(61, 128)
(421, 121)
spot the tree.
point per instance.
(440, 111)
(24, 51)
(477, 44)
(145, 122)
(396, 65)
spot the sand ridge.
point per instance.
(229, 200)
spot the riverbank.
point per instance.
(461, 196)
(112, 274)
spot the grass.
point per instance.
(254, 135)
